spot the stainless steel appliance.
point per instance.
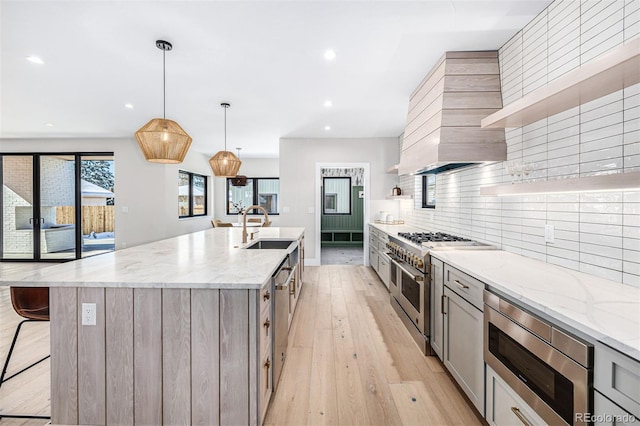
(551, 370)
(410, 287)
(281, 280)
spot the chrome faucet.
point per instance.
(244, 220)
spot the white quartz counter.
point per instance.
(206, 259)
(394, 229)
(605, 310)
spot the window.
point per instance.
(336, 195)
(192, 194)
(258, 191)
(429, 191)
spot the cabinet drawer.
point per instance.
(373, 243)
(617, 377)
(504, 406)
(266, 384)
(373, 231)
(373, 259)
(384, 269)
(466, 286)
(266, 330)
(266, 294)
(608, 413)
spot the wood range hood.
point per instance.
(443, 123)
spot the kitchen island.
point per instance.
(177, 334)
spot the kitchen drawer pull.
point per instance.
(462, 286)
(519, 415)
(292, 290)
(267, 295)
(267, 366)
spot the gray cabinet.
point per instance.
(607, 413)
(384, 268)
(377, 259)
(462, 344)
(463, 326)
(617, 377)
(437, 292)
(505, 407)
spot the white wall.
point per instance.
(597, 233)
(298, 158)
(148, 190)
(251, 167)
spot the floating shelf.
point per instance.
(393, 170)
(629, 181)
(606, 74)
(399, 197)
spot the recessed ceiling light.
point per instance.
(328, 104)
(329, 55)
(128, 106)
(327, 127)
(34, 60)
(49, 124)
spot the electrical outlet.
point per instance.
(88, 314)
(549, 234)
(125, 209)
(310, 210)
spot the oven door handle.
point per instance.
(418, 278)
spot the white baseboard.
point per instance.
(311, 262)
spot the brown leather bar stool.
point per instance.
(31, 303)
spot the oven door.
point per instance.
(411, 295)
(555, 386)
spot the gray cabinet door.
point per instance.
(437, 288)
(462, 346)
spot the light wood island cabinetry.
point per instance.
(182, 331)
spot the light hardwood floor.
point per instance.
(350, 362)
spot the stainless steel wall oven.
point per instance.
(550, 369)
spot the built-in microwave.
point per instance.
(550, 369)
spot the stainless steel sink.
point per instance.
(271, 244)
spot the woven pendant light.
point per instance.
(162, 140)
(225, 163)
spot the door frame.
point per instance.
(365, 211)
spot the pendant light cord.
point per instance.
(225, 128)
(164, 85)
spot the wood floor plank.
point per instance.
(415, 405)
(292, 395)
(351, 401)
(323, 406)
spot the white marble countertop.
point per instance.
(605, 310)
(394, 229)
(213, 258)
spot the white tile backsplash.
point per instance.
(597, 233)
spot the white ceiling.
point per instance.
(266, 58)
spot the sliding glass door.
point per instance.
(51, 208)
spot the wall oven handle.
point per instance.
(418, 278)
(520, 416)
(462, 286)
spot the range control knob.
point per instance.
(420, 263)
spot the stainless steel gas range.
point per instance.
(410, 281)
